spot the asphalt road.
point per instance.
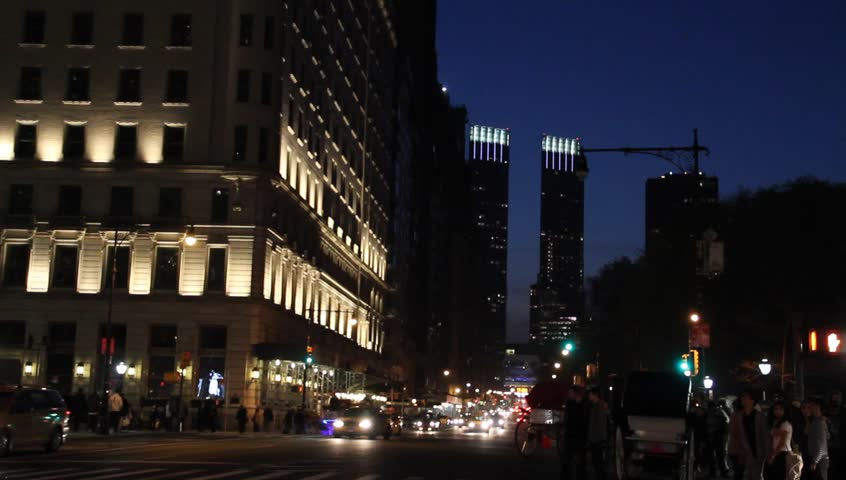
(158, 456)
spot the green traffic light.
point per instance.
(569, 346)
(309, 360)
(684, 366)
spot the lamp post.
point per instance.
(765, 368)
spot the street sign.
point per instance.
(700, 335)
(185, 360)
(171, 377)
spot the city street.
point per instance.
(226, 456)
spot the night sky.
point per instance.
(764, 81)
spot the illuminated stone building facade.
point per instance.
(261, 129)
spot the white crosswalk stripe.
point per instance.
(221, 475)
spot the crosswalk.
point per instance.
(162, 473)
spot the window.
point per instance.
(213, 338)
(268, 32)
(167, 268)
(70, 201)
(29, 87)
(78, 85)
(216, 281)
(20, 200)
(239, 153)
(34, 26)
(25, 140)
(133, 29)
(12, 333)
(163, 336)
(82, 28)
(15, 266)
(64, 266)
(121, 202)
(74, 144)
(243, 91)
(129, 88)
(170, 202)
(177, 86)
(174, 143)
(266, 88)
(263, 145)
(220, 205)
(156, 370)
(126, 142)
(122, 262)
(180, 31)
(245, 37)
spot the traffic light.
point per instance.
(309, 359)
(695, 355)
(684, 365)
(832, 342)
(569, 346)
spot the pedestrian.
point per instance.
(749, 441)
(781, 434)
(93, 402)
(288, 422)
(241, 417)
(257, 419)
(268, 418)
(125, 412)
(717, 420)
(155, 417)
(299, 421)
(597, 432)
(212, 415)
(115, 407)
(202, 417)
(575, 435)
(699, 425)
(834, 413)
(79, 409)
(818, 459)
(168, 416)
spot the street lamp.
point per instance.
(708, 383)
(446, 373)
(28, 369)
(121, 368)
(565, 352)
(457, 390)
(255, 374)
(131, 370)
(765, 366)
(694, 317)
(557, 365)
(467, 385)
(80, 369)
(554, 376)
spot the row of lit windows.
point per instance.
(74, 144)
(78, 86)
(121, 202)
(65, 267)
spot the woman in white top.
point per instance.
(781, 433)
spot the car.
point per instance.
(484, 424)
(426, 423)
(363, 422)
(32, 417)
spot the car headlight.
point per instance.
(472, 425)
(501, 421)
(419, 424)
(486, 423)
(365, 424)
(433, 424)
(460, 422)
(338, 424)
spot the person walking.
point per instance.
(93, 402)
(241, 417)
(79, 409)
(699, 425)
(817, 465)
(288, 422)
(749, 441)
(257, 420)
(717, 420)
(115, 407)
(597, 436)
(781, 433)
(268, 418)
(125, 412)
(834, 414)
(575, 435)
(211, 415)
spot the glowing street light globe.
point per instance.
(121, 368)
(765, 366)
(694, 317)
(708, 383)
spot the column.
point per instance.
(40, 258)
(142, 265)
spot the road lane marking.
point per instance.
(20, 474)
(279, 474)
(125, 474)
(173, 474)
(319, 476)
(74, 474)
(221, 475)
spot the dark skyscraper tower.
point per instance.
(488, 154)
(557, 299)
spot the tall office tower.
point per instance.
(557, 299)
(488, 152)
(218, 173)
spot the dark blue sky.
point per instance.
(764, 81)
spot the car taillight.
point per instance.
(67, 412)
